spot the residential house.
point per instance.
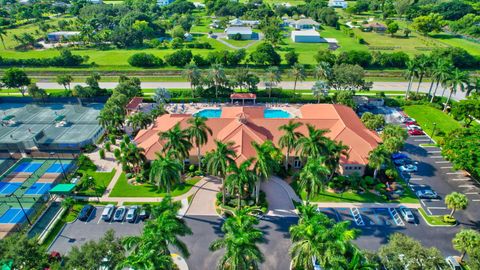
(61, 36)
(244, 32)
(162, 3)
(374, 26)
(306, 36)
(338, 3)
(304, 24)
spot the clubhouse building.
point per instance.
(243, 125)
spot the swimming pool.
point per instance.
(268, 113)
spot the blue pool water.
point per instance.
(268, 113)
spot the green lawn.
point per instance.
(239, 43)
(426, 116)
(469, 46)
(102, 180)
(433, 220)
(124, 189)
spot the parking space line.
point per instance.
(436, 157)
(423, 203)
(467, 186)
(434, 152)
(357, 217)
(454, 172)
(476, 200)
(416, 179)
(422, 140)
(396, 217)
(446, 167)
(430, 212)
(438, 207)
(442, 161)
(471, 193)
(460, 179)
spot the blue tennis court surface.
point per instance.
(14, 215)
(28, 167)
(38, 189)
(57, 167)
(8, 188)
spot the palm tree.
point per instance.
(3, 34)
(151, 249)
(410, 73)
(319, 88)
(240, 177)
(289, 138)
(65, 81)
(129, 155)
(377, 158)
(335, 152)
(193, 75)
(165, 172)
(198, 133)
(314, 145)
(456, 200)
(176, 142)
(423, 64)
(298, 73)
(267, 161)
(219, 160)
(466, 240)
(240, 242)
(317, 236)
(139, 120)
(440, 72)
(323, 71)
(457, 79)
(473, 86)
(218, 77)
(271, 77)
(313, 176)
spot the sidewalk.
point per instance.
(365, 205)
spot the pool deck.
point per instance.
(192, 108)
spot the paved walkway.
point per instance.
(203, 203)
(365, 205)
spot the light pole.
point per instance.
(61, 164)
(21, 206)
(433, 130)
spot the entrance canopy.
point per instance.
(243, 97)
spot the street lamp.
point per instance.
(21, 206)
(61, 164)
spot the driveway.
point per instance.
(279, 202)
(203, 203)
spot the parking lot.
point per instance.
(80, 232)
(376, 224)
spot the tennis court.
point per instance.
(8, 188)
(28, 167)
(58, 167)
(39, 189)
(14, 215)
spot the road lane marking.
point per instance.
(442, 161)
(436, 156)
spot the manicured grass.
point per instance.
(124, 189)
(433, 220)
(102, 180)
(469, 46)
(426, 116)
(239, 43)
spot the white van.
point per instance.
(108, 212)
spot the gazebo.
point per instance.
(243, 97)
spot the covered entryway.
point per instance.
(243, 96)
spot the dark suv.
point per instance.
(85, 212)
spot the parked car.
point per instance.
(120, 213)
(408, 168)
(407, 119)
(144, 214)
(108, 212)
(410, 123)
(407, 214)
(416, 132)
(427, 194)
(413, 127)
(399, 156)
(404, 161)
(132, 213)
(85, 212)
(453, 263)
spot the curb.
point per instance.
(440, 226)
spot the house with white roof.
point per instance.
(245, 32)
(162, 3)
(61, 35)
(239, 22)
(306, 36)
(307, 23)
(338, 3)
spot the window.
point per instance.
(186, 162)
(297, 163)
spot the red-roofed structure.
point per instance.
(244, 125)
(134, 105)
(243, 97)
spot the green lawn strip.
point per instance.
(433, 220)
(102, 180)
(124, 189)
(426, 116)
(346, 197)
(451, 40)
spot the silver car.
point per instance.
(407, 214)
(408, 168)
(132, 213)
(120, 213)
(108, 212)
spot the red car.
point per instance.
(416, 132)
(408, 123)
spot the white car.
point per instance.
(407, 214)
(413, 127)
(408, 168)
(132, 213)
(453, 263)
(108, 212)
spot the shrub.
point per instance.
(145, 60)
(449, 219)
(101, 153)
(179, 58)
(65, 59)
(85, 163)
(108, 146)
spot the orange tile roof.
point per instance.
(134, 102)
(244, 125)
(243, 96)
